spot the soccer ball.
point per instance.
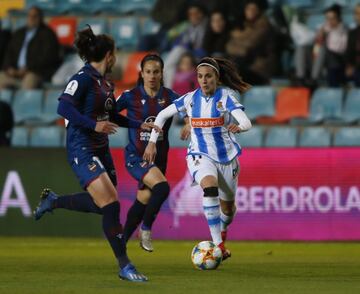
(206, 256)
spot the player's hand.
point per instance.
(148, 126)
(150, 152)
(234, 128)
(106, 127)
(185, 132)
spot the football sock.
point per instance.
(226, 220)
(211, 205)
(79, 202)
(114, 232)
(159, 194)
(134, 218)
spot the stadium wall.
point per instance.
(283, 194)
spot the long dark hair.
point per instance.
(93, 47)
(150, 57)
(227, 72)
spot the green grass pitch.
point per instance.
(84, 266)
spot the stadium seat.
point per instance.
(150, 27)
(20, 137)
(120, 139)
(107, 6)
(65, 29)
(46, 137)
(98, 25)
(315, 137)
(73, 6)
(351, 112)
(174, 137)
(27, 105)
(251, 138)
(6, 95)
(290, 103)
(347, 136)
(131, 72)
(259, 101)
(49, 113)
(326, 104)
(348, 19)
(18, 23)
(46, 5)
(314, 21)
(126, 32)
(281, 137)
(300, 3)
(136, 6)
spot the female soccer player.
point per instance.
(89, 106)
(212, 154)
(143, 103)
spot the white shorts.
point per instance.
(201, 166)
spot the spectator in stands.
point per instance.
(185, 79)
(328, 51)
(6, 123)
(32, 55)
(251, 46)
(4, 41)
(353, 50)
(190, 40)
(216, 34)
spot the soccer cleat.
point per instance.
(145, 240)
(225, 252)
(45, 205)
(130, 273)
(223, 235)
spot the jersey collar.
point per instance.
(93, 70)
(157, 96)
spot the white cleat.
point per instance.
(145, 240)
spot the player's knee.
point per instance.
(161, 189)
(211, 192)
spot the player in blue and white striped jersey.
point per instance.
(213, 150)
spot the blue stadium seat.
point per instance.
(108, 6)
(126, 32)
(328, 3)
(174, 137)
(20, 137)
(150, 27)
(300, 3)
(315, 137)
(348, 19)
(120, 139)
(98, 25)
(27, 105)
(326, 105)
(315, 21)
(46, 137)
(351, 112)
(251, 138)
(18, 23)
(347, 136)
(73, 6)
(281, 137)
(6, 95)
(49, 113)
(136, 6)
(259, 101)
(47, 5)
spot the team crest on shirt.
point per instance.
(161, 102)
(143, 101)
(92, 167)
(109, 104)
(219, 106)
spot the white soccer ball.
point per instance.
(206, 256)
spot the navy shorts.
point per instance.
(89, 165)
(138, 168)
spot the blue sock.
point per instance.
(134, 218)
(159, 194)
(79, 202)
(114, 232)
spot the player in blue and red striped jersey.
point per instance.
(89, 106)
(143, 103)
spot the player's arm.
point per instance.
(162, 117)
(244, 123)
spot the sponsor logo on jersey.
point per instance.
(207, 122)
(92, 167)
(161, 102)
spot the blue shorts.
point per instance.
(89, 165)
(138, 168)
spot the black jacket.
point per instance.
(43, 54)
(353, 48)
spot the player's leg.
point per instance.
(160, 189)
(104, 194)
(136, 212)
(205, 173)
